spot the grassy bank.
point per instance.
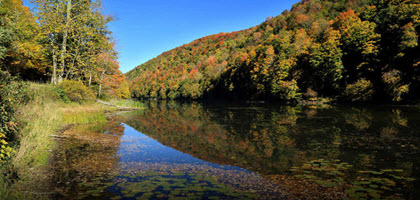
(127, 103)
(43, 117)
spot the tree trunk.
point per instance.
(71, 68)
(54, 75)
(64, 43)
(90, 76)
(100, 84)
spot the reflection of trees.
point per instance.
(360, 119)
(383, 134)
(113, 127)
(88, 152)
(265, 140)
(398, 118)
(389, 142)
(272, 139)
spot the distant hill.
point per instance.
(351, 50)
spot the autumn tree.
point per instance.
(106, 63)
(358, 50)
(19, 54)
(73, 32)
(359, 45)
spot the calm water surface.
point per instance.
(179, 150)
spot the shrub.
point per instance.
(362, 90)
(173, 94)
(191, 90)
(12, 95)
(75, 91)
(394, 86)
(123, 91)
(5, 150)
(286, 90)
(310, 94)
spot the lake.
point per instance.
(202, 150)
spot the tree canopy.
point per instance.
(60, 40)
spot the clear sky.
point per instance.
(146, 28)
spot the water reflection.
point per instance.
(274, 140)
(256, 138)
(85, 153)
(236, 151)
(138, 147)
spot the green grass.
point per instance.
(36, 121)
(128, 103)
(42, 117)
(83, 117)
(5, 193)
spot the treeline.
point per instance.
(60, 40)
(348, 50)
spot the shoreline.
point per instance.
(40, 123)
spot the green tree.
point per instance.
(359, 44)
(49, 15)
(325, 63)
(76, 32)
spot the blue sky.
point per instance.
(146, 28)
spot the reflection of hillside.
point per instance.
(270, 140)
(255, 139)
(88, 152)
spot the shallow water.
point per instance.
(243, 151)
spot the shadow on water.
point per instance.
(239, 151)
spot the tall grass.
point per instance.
(128, 103)
(83, 114)
(36, 121)
(41, 118)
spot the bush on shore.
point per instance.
(75, 91)
(12, 95)
(360, 91)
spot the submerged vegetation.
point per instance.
(30, 137)
(349, 50)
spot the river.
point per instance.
(191, 150)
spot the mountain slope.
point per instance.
(355, 50)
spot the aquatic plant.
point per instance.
(359, 184)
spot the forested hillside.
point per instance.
(350, 50)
